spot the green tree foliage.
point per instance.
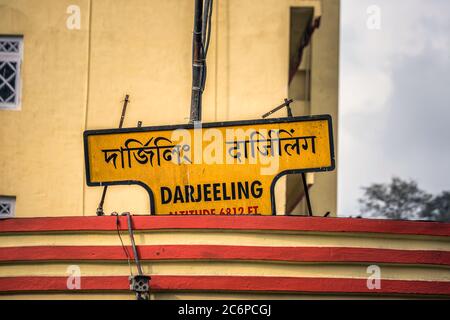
(438, 208)
(400, 200)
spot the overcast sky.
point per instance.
(394, 96)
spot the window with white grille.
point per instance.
(10, 62)
(7, 207)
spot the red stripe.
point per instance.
(230, 283)
(275, 223)
(211, 252)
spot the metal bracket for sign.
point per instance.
(100, 211)
(287, 104)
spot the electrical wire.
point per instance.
(206, 36)
(207, 25)
(127, 254)
(133, 244)
(204, 20)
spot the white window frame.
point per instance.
(11, 201)
(13, 57)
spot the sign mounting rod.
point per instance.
(100, 211)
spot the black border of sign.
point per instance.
(209, 125)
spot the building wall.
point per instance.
(324, 99)
(225, 257)
(76, 79)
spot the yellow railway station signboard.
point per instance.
(226, 168)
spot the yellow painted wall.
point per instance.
(324, 99)
(41, 155)
(75, 80)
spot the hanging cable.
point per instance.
(125, 249)
(204, 21)
(140, 283)
(206, 36)
(206, 28)
(198, 62)
(133, 244)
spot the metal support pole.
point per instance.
(308, 199)
(198, 64)
(281, 106)
(287, 104)
(100, 211)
